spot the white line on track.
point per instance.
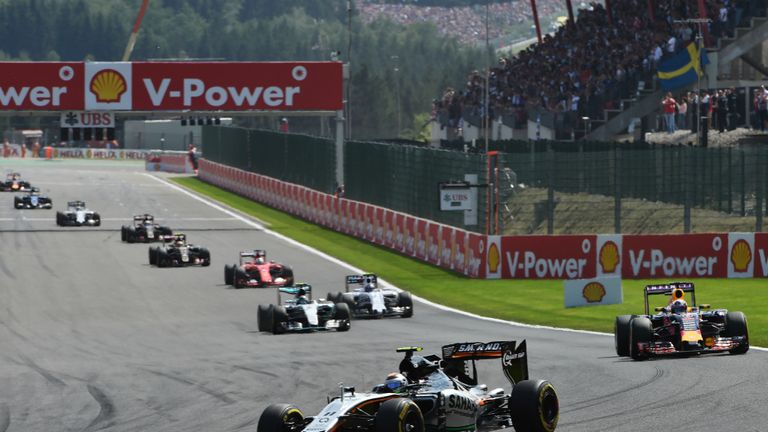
(385, 283)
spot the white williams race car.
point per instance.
(367, 300)
(434, 394)
(77, 214)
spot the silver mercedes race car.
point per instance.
(437, 394)
(367, 300)
(300, 313)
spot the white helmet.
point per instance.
(395, 382)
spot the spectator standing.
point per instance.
(682, 113)
(722, 111)
(669, 105)
(192, 153)
(762, 107)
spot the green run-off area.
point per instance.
(527, 301)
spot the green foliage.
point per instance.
(252, 30)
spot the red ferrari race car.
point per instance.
(255, 271)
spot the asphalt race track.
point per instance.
(93, 338)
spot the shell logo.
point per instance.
(741, 256)
(494, 258)
(108, 85)
(593, 292)
(609, 257)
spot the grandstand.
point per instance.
(593, 79)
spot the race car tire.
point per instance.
(280, 418)
(263, 317)
(122, 232)
(405, 300)
(640, 331)
(348, 298)
(342, 313)
(229, 273)
(165, 231)
(130, 235)
(59, 218)
(162, 258)
(287, 274)
(399, 414)
(17, 202)
(240, 277)
(153, 255)
(96, 219)
(621, 335)
(534, 406)
(736, 325)
(205, 255)
(279, 316)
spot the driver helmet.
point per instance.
(395, 382)
(301, 297)
(259, 259)
(369, 287)
(679, 306)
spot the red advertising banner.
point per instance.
(400, 233)
(410, 238)
(42, 86)
(475, 259)
(548, 257)
(759, 255)
(433, 243)
(670, 256)
(446, 246)
(378, 225)
(420, 230)
(171, 86)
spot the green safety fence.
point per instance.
(300, 159)
(406, 179)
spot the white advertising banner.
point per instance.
(87, 119)
(597, 291)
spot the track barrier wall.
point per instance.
(711, 255)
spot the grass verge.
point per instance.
(527, 301)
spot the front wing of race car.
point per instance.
(712, 345)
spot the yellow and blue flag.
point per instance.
(683, 68)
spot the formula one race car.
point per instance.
(77, 214)
(367, 300)
(144, 230)
(32, 200)
(680, 327)
(178, 253)
(301, 313)
(14, 183)
(434, 394)
(255, 271)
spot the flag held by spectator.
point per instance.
(683, 68)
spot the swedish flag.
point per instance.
(683, 68)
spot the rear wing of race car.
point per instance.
(459, 357)
(297, 289)
(675, 289)
(360, 280)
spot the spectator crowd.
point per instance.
(465, 23)
(587, 67)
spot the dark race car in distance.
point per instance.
(435, 394)
(367, 300)
(32, 200)
(680, 327)
(144, 230)
(77, 214)
(179, 253)
(14, 183)
(254, 271)
(300, 313)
